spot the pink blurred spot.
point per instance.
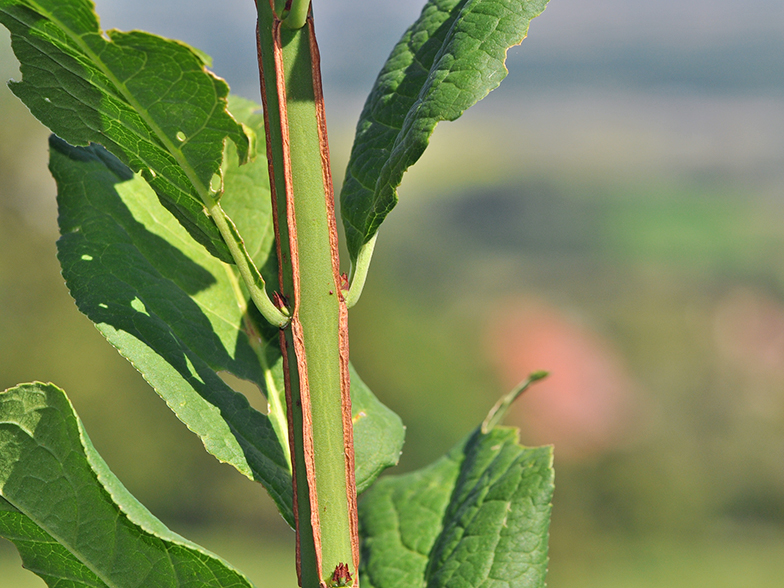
(585, 406)
(749, 330)
(749, 335)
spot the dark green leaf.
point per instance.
(478, 517)
(168, 306)
(150, 101)
(72, 520)
(450, 58)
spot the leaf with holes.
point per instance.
(181, 316)
(168, 306)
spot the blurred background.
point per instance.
(613, 213)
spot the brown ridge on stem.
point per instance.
(307, 436)
(345, 395)
(288, 180)
(278, 298)
(268, 139)
(348, 438)
(290, 419)
(296, 325)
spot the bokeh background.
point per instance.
(613, 213)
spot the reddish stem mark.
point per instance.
(341, 576)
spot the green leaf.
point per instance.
(173, 310)
(148, 100)
(72, 520)
(478, 517)
(246, 197)
(378, 433)
(181, 316)
(449, 59)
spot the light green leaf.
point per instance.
(449, 59)
(478, 517)
(148, 100)
(72, 520)
(246, 197)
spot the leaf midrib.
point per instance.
(67, 545)
(128, 96)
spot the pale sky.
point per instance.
(356, 35)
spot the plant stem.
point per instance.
(315, 346)
(276, 410)
(297, 14)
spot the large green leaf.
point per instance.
(168, 306)
(148, 100)
(478, 517)
(72, 520)
(180, 315)
(447, 61)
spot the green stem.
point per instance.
(297, 15)
(315, 345)
(250, 274)
(275, 408)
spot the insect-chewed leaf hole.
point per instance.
(248, 389)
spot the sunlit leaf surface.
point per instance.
(449, 59)
(478, 517)
(180, 315)
(72, 520)
(148, 100)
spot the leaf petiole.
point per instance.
(294, 13)
(250, 274)
(359, 271)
